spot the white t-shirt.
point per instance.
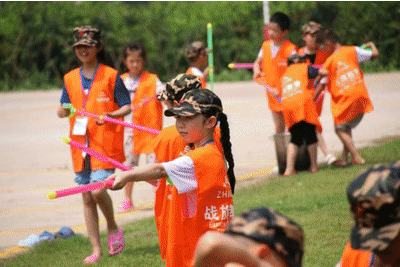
(197, 72)
(182, 174)
(274, 51)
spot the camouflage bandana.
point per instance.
(310, 27)
(375, 205)
(195, 102)
(196, 48)
(175, 88)
(267, 226)
(86, 35)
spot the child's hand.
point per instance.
(63, 112)
(102, 122)
(274, 92)
(119, 181)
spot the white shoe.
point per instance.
(330, 159)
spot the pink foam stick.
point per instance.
(79, 189)
(240, 65)
(144, 102)
(105, 118)
(97, 155)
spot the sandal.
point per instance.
(341, 164)
(91, 259)
(330, 159)
(126, 206)
(117, 239)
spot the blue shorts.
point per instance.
(87, 176)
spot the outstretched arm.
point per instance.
(143, 173)
(121, 112)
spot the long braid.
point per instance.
(227, 146)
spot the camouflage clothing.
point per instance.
(86, 35)
(374, 197)
(195, 49)
(310, 27)
(267, 226)
(194, 102)
(175, 88)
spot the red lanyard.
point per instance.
(85, 96)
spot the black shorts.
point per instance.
(303, 132)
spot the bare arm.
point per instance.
(143, 173)
(321, 73)
(121, 112)
(217, 249)
(375, 52)
(257, 73)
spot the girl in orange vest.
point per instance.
(202, 191)
(168, 145)
(197, 55)
(271, 64)
(95, 88)
(317, 58)
(142, 86)
(349, 96)
(299, 111)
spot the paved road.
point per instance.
(34, 160)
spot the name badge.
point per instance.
(80, 126)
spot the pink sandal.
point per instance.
(117, 239)
(91, 259)
(126, 206)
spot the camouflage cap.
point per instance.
(374, 197)
(194, 102)
(296, 58)
(311, 27)
(86, 35)
(267, 226)
(179, 85)
(196, 48)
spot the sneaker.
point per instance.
(330, 159)
(46, 235)
(30, 241)
(126, 206)
(65, 232)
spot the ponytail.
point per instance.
(227, 147)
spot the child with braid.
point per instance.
(199, 178)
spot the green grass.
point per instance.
(317, 202)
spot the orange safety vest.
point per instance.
(168, 145)
(149, 115)
(214, 208)
(346, 84)
(320, 58)
(106, 139)
(203, 81)
(356, 258)
(296, 100)
(274, 68)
